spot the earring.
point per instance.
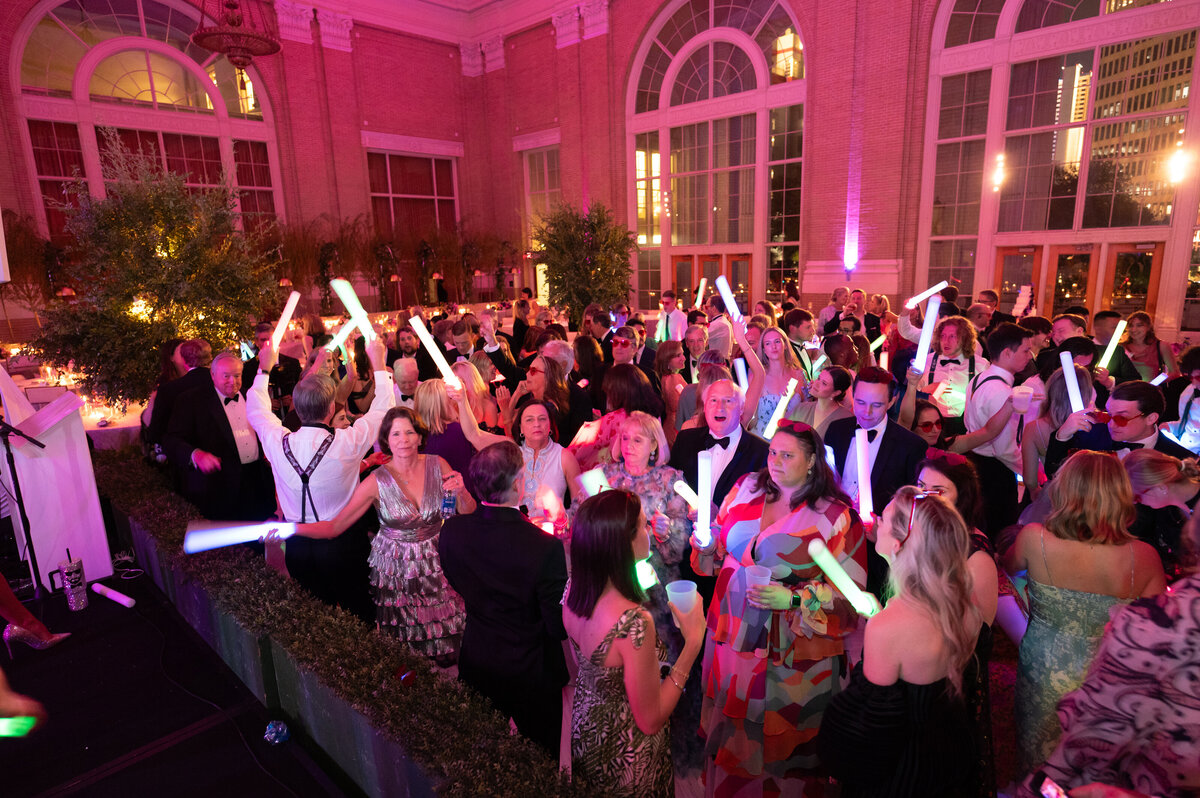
(654, 457)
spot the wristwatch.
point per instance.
(264, 371)
(796, 601)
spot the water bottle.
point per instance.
(449, 503)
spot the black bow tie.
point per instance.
(231, 399)
(1130, 446)
(871, 433)
(710, 441)
(406, 397)
(948, 361)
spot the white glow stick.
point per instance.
(1160, 379)
(1072, 380)
(435, 351)
(205, 535)
(358, 316)
(1112, 345)
(726, 293)
(340, 336)
(704, 492)
(594, 481)
(739, 367)
(644, 572)
(878, 342)
(921, 359)
(926, 294)
(700, 292)
(866, 502)
(689, 495)
(285, 318)
(830, 458)
(247, 352)
(883, 360)
(863, 602)
(109, 593)
(780, 409)
(816, 366)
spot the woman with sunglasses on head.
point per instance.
(545, 381)
(924, 418)
(775, 651)
(1085, 565)
(902, 727)
(620, 745)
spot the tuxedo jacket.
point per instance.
(687, 372)
(1098, 439)
(646, 360)
(283, 376)
(511, 576)
(895, 465)
(870, 327)
(235, 491)
(168, 393)
(750, 456)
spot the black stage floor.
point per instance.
(139, 705)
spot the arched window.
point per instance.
(715, 114)
(93, 64)
(1057, 154)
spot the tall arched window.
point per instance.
(87, 65)
(1060, 138)
(715, 117)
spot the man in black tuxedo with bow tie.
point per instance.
(893, 452)
(695, 344)
(220, 463)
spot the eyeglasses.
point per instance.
(622, 342)
(1101, 417)
(929, 426)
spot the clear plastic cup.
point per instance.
(757, 575)
(1022, 398)
(682, 593)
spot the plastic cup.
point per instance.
(757, 575)
(1022, 397)
(682, 593)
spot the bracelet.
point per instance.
(671, 676)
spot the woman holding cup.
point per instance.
(775, 652)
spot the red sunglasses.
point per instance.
(622, 342)
(1101, 417)
(929, 426)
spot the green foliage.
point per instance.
(151, 261)
(451, 732)
(586, 257)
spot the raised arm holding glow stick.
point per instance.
(1112, 345)
(866, 502)
(285, 318)
(731, 306)
(704, 492)
(206, 535)
(358, 316)
(780, 409)
(700, 292)
(1072, 381)
(863, 602)
(926, 294)
(339, 338)
(921, 359)
(435, 351)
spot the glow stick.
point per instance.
(339, 338)
(247, 352)
(206, 535)
(594, 481)
(921, 359)
(704, 492)
(435, 351)
(878, 342)
(358, 316)
(548, 527)
(109, 593)
(1072, 380)
(700, 292)
(739, 366)
(863, 602)
(780, 409)
(830, 458)
(1160, 379)
(726, 293)
(866, 502)
(1112, 345)
(816, 366)
(883, 360)
(926, 294)
(689, 495)
(285, 318)
(644, 572)
(20, 725)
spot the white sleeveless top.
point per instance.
(543, 471)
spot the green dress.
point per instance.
(608, 750)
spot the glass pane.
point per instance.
(1191, 304)
(782, 47)
(689, 148)
(411, 175)
(1146, 75)
(1045, 13)
(50, 58)
(689, 209)
(734, 206)
(56, 148)
(1071, 280)
(733, 141)
(1128, 183)
(783, 265)
(447, 221)
(1051, 91)
(685, 291)
(733, 72)
(535, 168)
(377, 173)
(1016, 271)
(787, 132)
(1131, 281)
(553, 181)
(693, 82)
(682, 27)
(744, 15)
(953, 261)
(1034, 175)
(381, 212)
(93, 21)
(650, 81)
(253, 166)
(444, 172)
(649, 279)
(973, 21)
(414, 217)
(739, 279)
(236, 89)
(123, 77)
(176, 86)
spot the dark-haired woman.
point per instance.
(413, 601)
(775, 653)
(627, 389)
(831, 390)
(619, 739)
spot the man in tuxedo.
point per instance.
(511, 576)
(644, 357)
(197, 355)
(624, 344)
(411, 349)
(991, 299)
(720, 331)
(695, 344)
(210, 442)
(283, 377)
(1062, 327)
(892, 452)
(868, 322)
(406, 379)
(801, 329)
(601, 330)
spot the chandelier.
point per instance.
(239, 33)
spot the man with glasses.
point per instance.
(672, 322)
(624, 349)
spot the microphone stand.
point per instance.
(6, 431)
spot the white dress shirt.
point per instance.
(721, 455)
(983, 400)
(720, 336)
(1189, 435)
(850, 478)
(674, 325)
(335, 478)
(953, 376)
(243, 435)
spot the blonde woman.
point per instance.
(905, 700)
(439, 416)
(1166, 490)
(486, 411)
(1085, 565)
(777, 364)
(668, 361)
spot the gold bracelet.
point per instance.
(671, 676)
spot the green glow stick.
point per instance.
(645, 574)
(19, 726)
(863, 602)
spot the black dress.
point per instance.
(897, 741)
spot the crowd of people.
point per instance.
(461, 517)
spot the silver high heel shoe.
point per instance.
(19, 634)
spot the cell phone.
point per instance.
(1049, 787)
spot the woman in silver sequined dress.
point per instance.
(412, 600)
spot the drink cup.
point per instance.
(757, 575)
(74, 583)
(682, 593)
(1022, 397)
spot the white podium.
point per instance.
(57, 483)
